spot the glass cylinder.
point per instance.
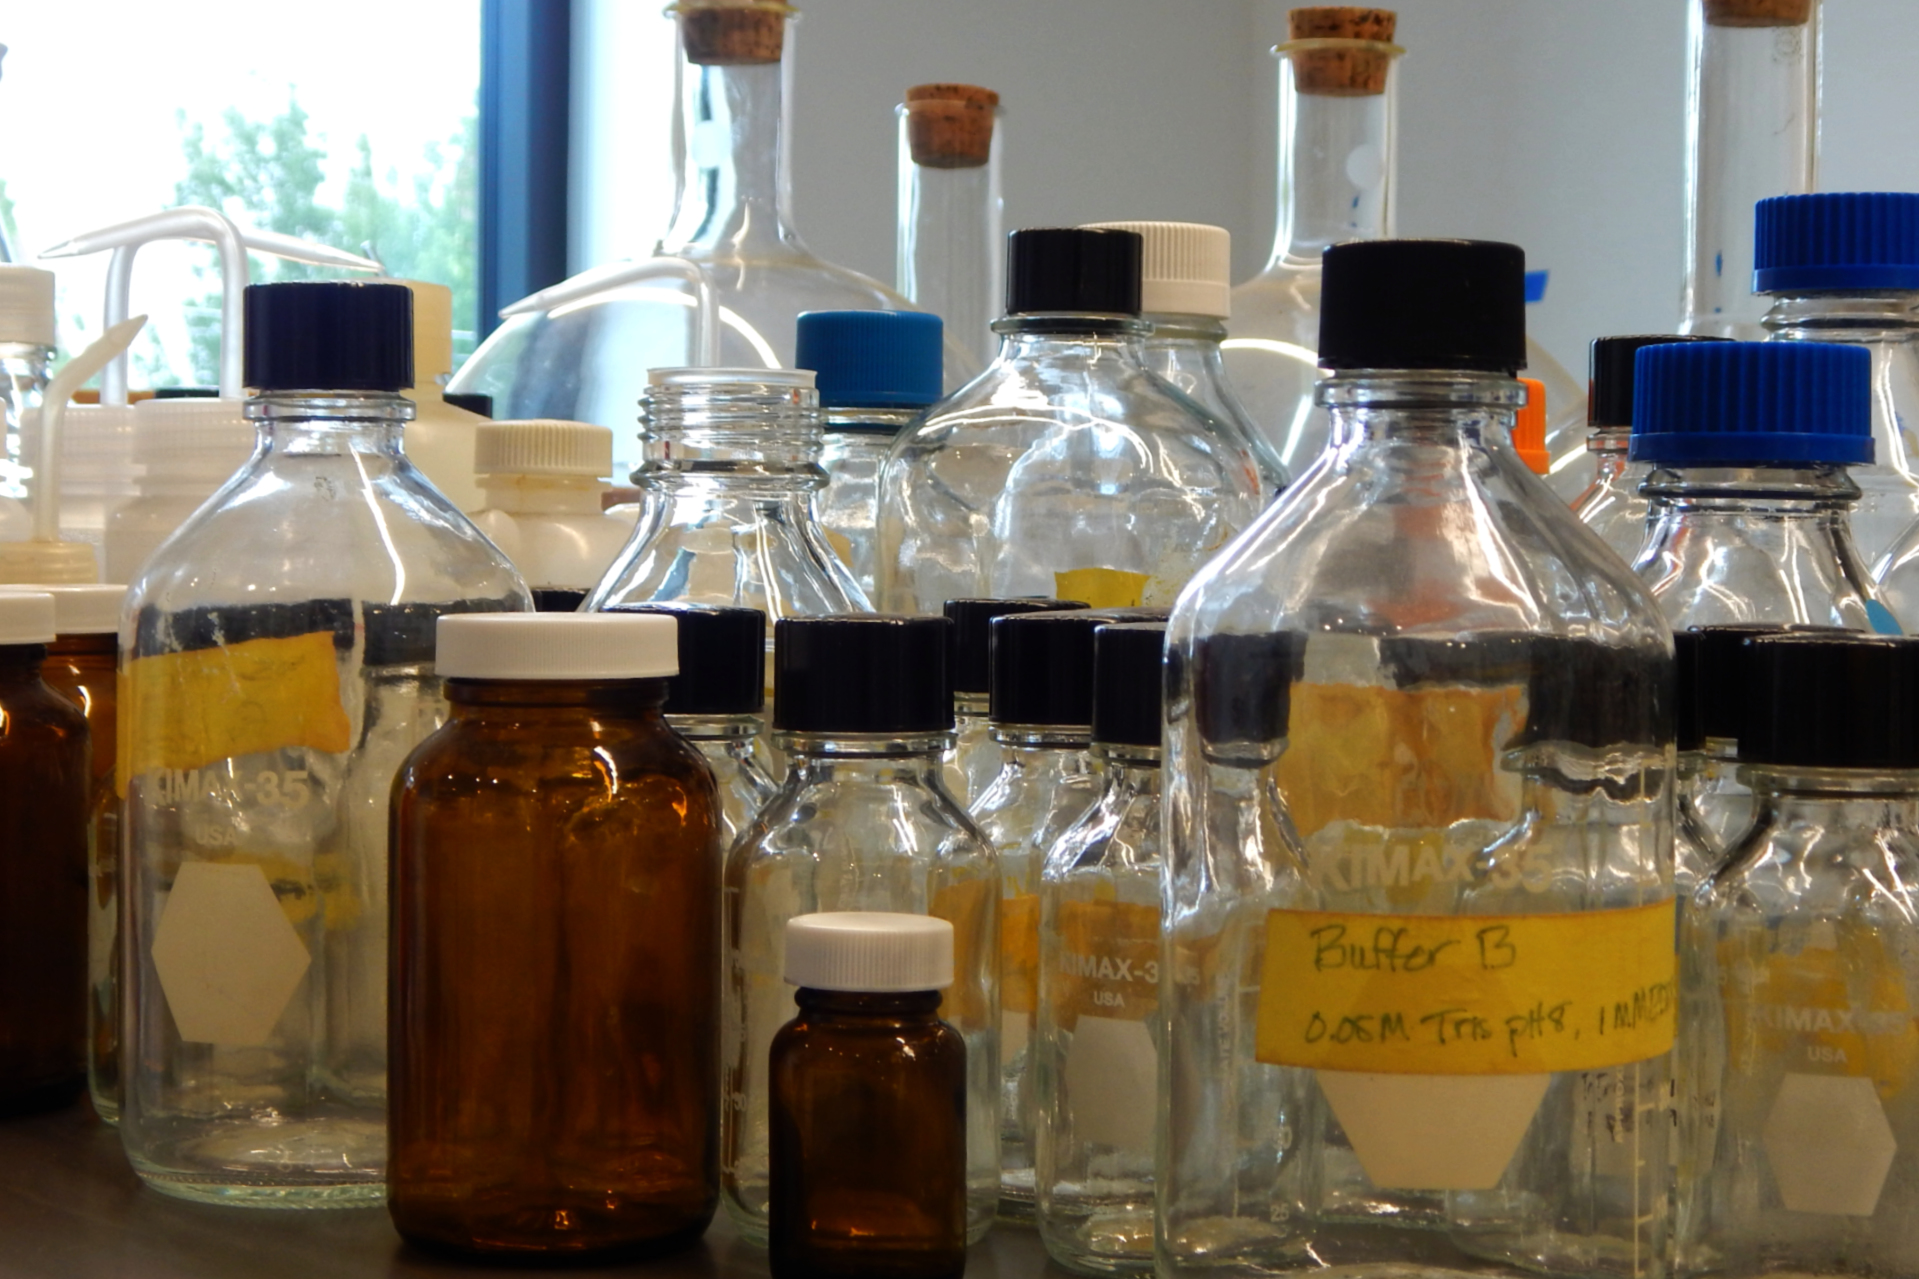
(951, 252)
(555, 1018)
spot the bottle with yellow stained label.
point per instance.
(1095, 1040)
(863, 822)
(1799, 1052)
(1068, 468)
(277, 667)
(1417, 965)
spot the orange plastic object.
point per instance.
(1529, 433)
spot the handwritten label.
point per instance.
(1100, 587)
(971, 906)
(1467, 994)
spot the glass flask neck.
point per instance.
(514, 700)
(325, 422)
(1127, 764)
(882, 422)
(1199, 335)
(1336, 162)
(715, 728)
(1082, 338)
(1863, 317)
(1753, 131)
(949, 248)
(1032, 744)
(734, 155)
(889, 1006)
(1434, 407)
(767, 440)
(1830, 799)
(1706, 493)
(897, 757)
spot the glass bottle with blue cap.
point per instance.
(876, 372)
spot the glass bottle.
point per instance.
(26, 349)
(1845, 268)
(1797, 1036)
(82, 662)
(732, 462)
(863, 821)
(1696, 851)
(277, 669)
(1095, 1045)
(1067, 468)
(1749, 495)
(1752, 131)
(1417, 760)
(868, 1103)
(715, 703)
(556, 947)
(1612, 505)
(44, 777)
(876, 372)
(581, 350)
(1041, 711)
(1185, 293)
(976, 758)
(951, 253)
(1338, 135)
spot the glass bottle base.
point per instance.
(1241, 1246)
(359, 1194)
(332, 1163)
(1015, 1195)
(1101, 1241)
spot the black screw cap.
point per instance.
(722, 658)
(1073, 269)
(1129, 680)
(329, 336)
(861, 673)
(1830, 701)
(969, 642)
(1423, 304)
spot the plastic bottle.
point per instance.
(278, 669)
(26, 348)
(556, 868)
(442, 439)
(183, 451)
(1067, 468)
(976, 758)
(876, 372)
(951, 253)
(863, 821)
(1095, 1047)
(868, 1103)
(1185, 293)
(1372, 732)
(542, 484)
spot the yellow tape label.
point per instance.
(1838, 1006)
(1101, 587)
(182, 711)
(1019, 953)
(971, 906)
(1467, 994)
(1108, 961)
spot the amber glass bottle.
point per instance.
(43, 870)
(554, 1035)
(82, 663)
(867, 1168)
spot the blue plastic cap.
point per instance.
(871, 359)
(1752, 404)
(1840, 240)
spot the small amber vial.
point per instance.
(554, 975)
(82, 662)
(867, 1140)
(43, 869)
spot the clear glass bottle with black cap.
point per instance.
(1095, 1045)
(1612, 505)
(716, 699)
(1750, 495)
(1695, 849)
(1799, 1053)
(976, 757)
(863, 821)
(1844, 267)
(1067, 468)
(277, 668)
(1041, 711)
(1416, 704)
(876, 372)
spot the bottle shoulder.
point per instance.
(862, 822)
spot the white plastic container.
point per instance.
(184, 450)
(543, 481)
(440, 439)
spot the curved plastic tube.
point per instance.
(53, 411)
(604, 279)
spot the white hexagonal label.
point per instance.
(227, 957)
(1829, 1144)
(1433, 1132)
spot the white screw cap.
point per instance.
(1186, 268)
(26, 305)
(26, 617)
(78, 610)
(557, 646)
(543, 446)
(869, 951)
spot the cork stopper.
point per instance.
(719, 34)
(950, 126)
(1758, 13)
(1353, 72)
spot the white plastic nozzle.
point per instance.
(91, 609)
(543, 447)
(53, 408)
(1186, 268)
(26, 305)
(869, 951)
(556, 646)
(606, 283)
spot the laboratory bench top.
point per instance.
(71, 1208)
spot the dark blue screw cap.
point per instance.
(871, 359)
(1752, 404)
(324, 335)
(1838, 240)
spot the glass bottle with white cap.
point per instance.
(868, 1104)
(542, 483)
(278, 668)
(44, 782)
(26, 349)
(554, 1081)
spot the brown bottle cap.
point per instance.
(1758, 13)
(1351, 72)
(717, 33)
(950, 126)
